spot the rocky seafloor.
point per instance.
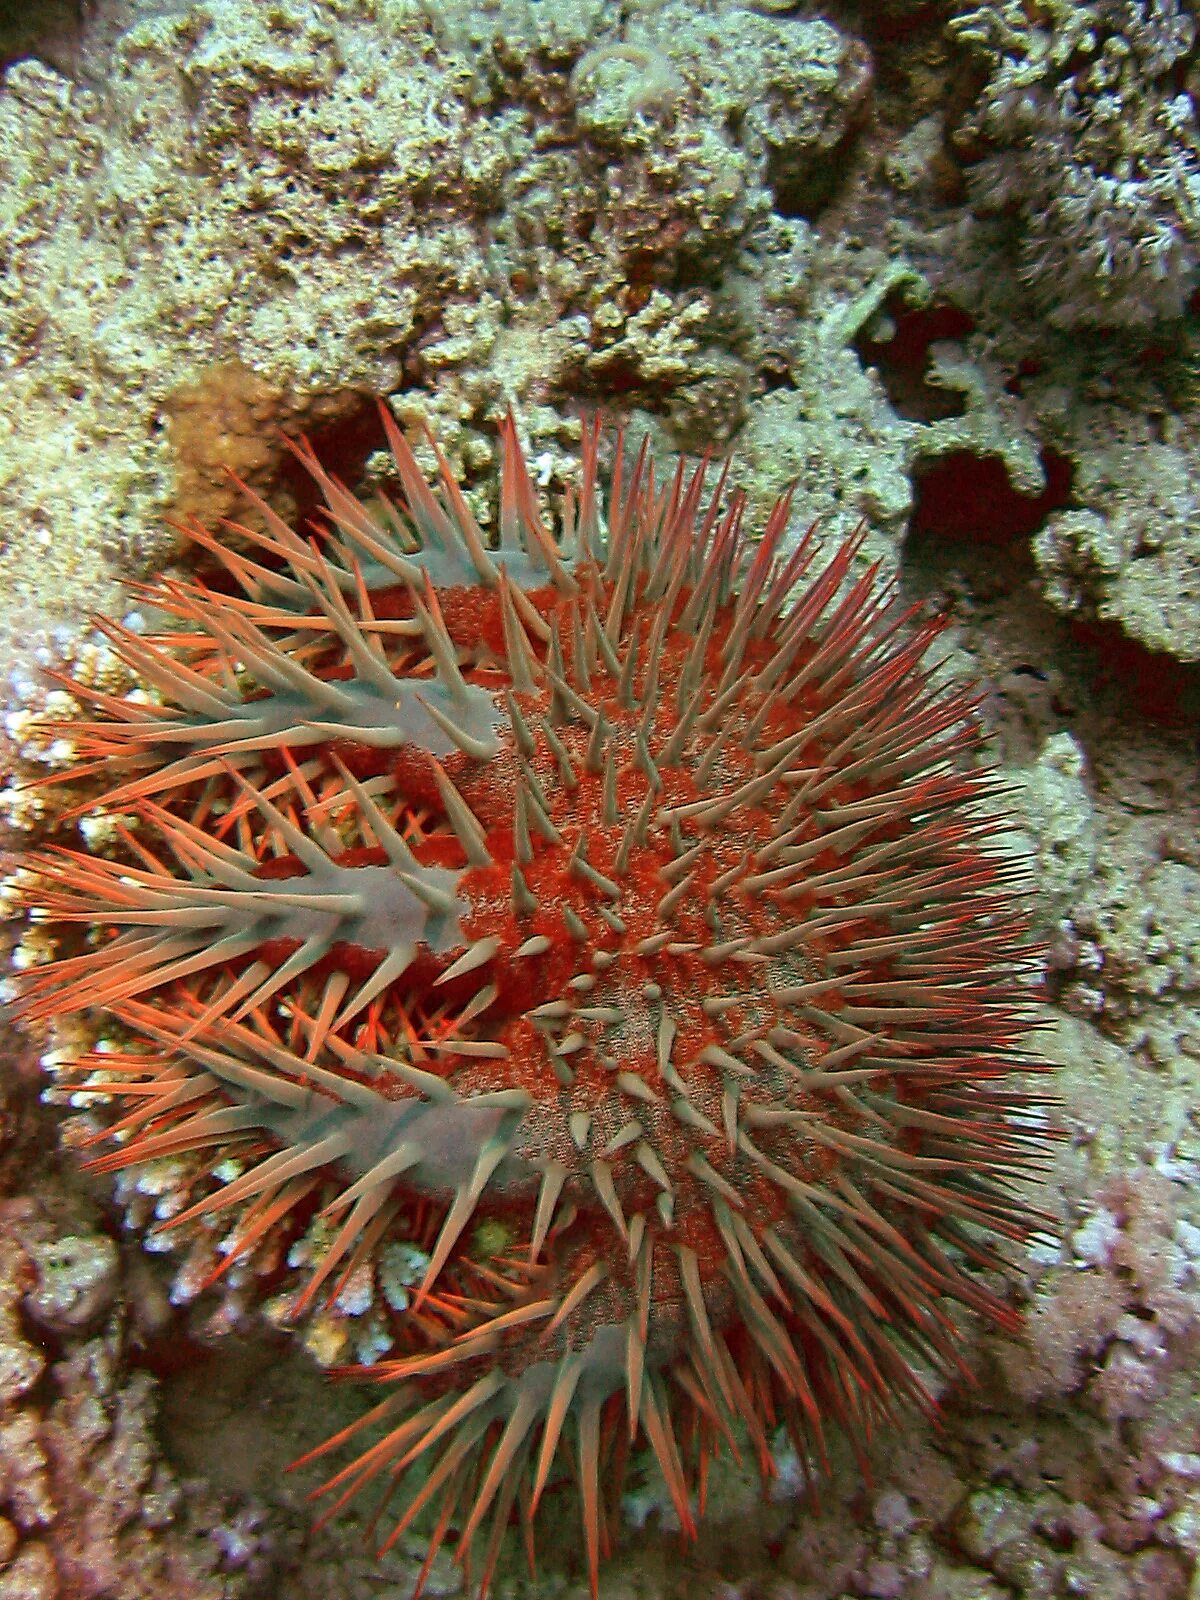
(938, 261)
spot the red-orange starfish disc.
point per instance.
(624, 890)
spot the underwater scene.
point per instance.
(599, 798)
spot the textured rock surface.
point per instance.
(1094, 148)
(1132, 556)
(462, 236)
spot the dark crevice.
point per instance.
(1151, 685)
(970, 499)
(887, 24)
(50, 30)
(342, 448)
(774, 372)
(805, 192)
(1028, 367)
(902, 361)
(968, 552)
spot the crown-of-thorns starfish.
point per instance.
(628, 885)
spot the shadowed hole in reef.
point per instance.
(805, 191)
(49, 30)
(1149, 684)
(968, 553)
(902, 359)
(967, 499)
(966, 510)
(342, 447)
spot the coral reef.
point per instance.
(1093, 142)
(87, 1507)
(761, 224)
(1128, 554)
(483, 204)
(350, 196)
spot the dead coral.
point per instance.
(1092, 144)
(88, 1509)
